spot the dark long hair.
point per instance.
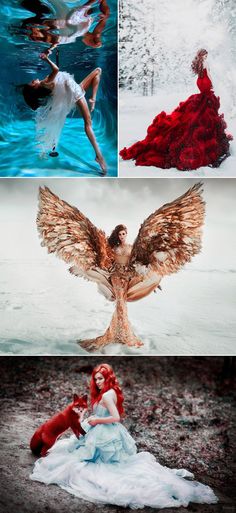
(114, 240)
(110, 382)
(34, 96)
(197, 64)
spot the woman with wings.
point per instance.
(167, 239)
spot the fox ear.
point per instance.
(85, 397)
(75, 397)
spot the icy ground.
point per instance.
(44, 310)
(136, 114)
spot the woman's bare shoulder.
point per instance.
(47, 82)
(206, 66)
(109, 394)
(128, 248)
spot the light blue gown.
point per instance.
(104, 467)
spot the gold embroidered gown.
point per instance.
(125, 285)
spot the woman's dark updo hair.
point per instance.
(114, 240)
(197, 64)
(34, 96)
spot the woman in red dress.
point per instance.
(192, 136)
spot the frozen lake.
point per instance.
(45, 310)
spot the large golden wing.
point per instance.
(171, 236)
(66, 232)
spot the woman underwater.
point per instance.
(57, 24)
(54, 97)
(192, 136)
(103, 466)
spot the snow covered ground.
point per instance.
(45, 310)
(136, 114)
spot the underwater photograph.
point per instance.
(58, 88)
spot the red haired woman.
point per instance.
(192, 136)
(103, 465)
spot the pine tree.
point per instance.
(158, 40)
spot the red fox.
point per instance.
(46, 435)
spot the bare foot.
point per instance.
(100, 160)
(92, 104)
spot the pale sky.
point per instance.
(109, 202)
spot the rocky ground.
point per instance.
(181, 409)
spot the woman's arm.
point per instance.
(51, 48)
(54, 67)
(108, 400)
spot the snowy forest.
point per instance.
(159, 39)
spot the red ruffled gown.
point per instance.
(192, 136)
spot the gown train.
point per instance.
(192, 136)
(103, 467)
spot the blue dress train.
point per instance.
(104, 467)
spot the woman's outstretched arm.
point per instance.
(54, 67)
(108, 400)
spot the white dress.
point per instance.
(103, 467)
(50, 118)
(75, 25)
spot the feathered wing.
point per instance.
(69, 234)
(171, 236)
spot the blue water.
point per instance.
(20, 63)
